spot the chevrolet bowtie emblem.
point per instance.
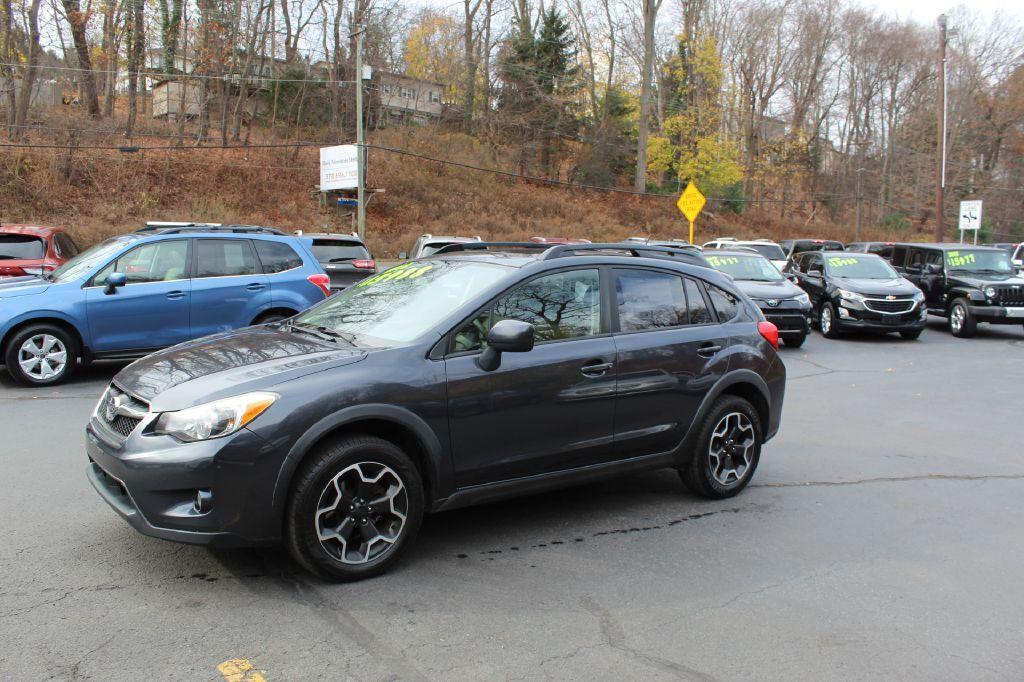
(890, 297)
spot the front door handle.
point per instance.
(255, 286)
(595, 368)
(708, 349)
(175, 295)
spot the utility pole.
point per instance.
(860, 186)
(360, 141)
(940, 147)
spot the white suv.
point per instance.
(765, 247)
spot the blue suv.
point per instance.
(136, 293)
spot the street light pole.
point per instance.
(360, 141)
(940, 147)
(860, 186)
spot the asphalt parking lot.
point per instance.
(882, 537)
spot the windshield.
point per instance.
(859, 267)
(801, 247)
(749, 268)
(337, 251)
(402, 303)
(769, 251)
(84, 262)
(979, 261)
(433, 247)
(21, 246)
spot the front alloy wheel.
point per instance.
(827, 321)
(362, 512)
(41, 355)
(961, 321)
(356, 503)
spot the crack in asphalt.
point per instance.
(614, 636)
(894, 479)
(489, 554)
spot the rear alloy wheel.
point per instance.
(828, 322)
(41, 355)
(354, 508)
(961, 321)
(727, 450)
(269, 318)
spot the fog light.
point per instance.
(843, 312)
(204, 501)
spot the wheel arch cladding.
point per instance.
(741, 383)
(388, 422)
(61, 323)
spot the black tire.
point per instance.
(313, 488)
(794, 341)
(829, 318)
(699, 476)
(267, 318)
(961, 322)
(13, 352)
(911, 334)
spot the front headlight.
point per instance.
(802, 298)
(213, 420)
(919, 296)
(851, 295)
(990, 292)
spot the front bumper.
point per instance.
(791, 322)
(995, 314)
(869, 320)
(153, 481)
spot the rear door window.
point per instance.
(277, 256)
(21, 247)
(649, 300)
(224, 258)
(726, 305)
(339, 251)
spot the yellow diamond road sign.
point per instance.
(691, 201)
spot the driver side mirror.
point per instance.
(402, 255)
(815, 272)
(506, 336)
(115, 280)
(933, 269)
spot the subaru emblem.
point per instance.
(110, 406)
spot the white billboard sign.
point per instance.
(339, 167)
(970, 215)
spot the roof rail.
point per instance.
(236, 229)
(484, 246)
(636, 250)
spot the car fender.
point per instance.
(970, 293)
(437, 474)
(43, 315)
(732, 378)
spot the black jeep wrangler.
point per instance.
(963, 283)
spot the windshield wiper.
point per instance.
(320, 332)
(340, 260)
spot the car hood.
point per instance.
(764, 290)
(876, 287)
(22, 286)
(230, 364)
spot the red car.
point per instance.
(33, 249)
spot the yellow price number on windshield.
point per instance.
(955, 259)
(717, 261)
(838, 261)
(410, 270)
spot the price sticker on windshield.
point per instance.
(839, 261)
(955, 259)
(723, 260)
(410, 270)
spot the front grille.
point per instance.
(881, 306)
(121, 412)
(1010, 296)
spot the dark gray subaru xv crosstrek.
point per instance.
(482, 372)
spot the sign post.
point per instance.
(690, 203)
(970, 218)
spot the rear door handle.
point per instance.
(175, 295)
(708, 349)
(255, 286)
(595, 368)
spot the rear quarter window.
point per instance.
(277, 256)
(726, 305)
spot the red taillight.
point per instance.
(364, 264)
(770, 333)
(322, 282)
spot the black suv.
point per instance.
(783, 303)
(965, 284)
(466, 377)
(344, 257)
(859, 291)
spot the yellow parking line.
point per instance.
(240, 670)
